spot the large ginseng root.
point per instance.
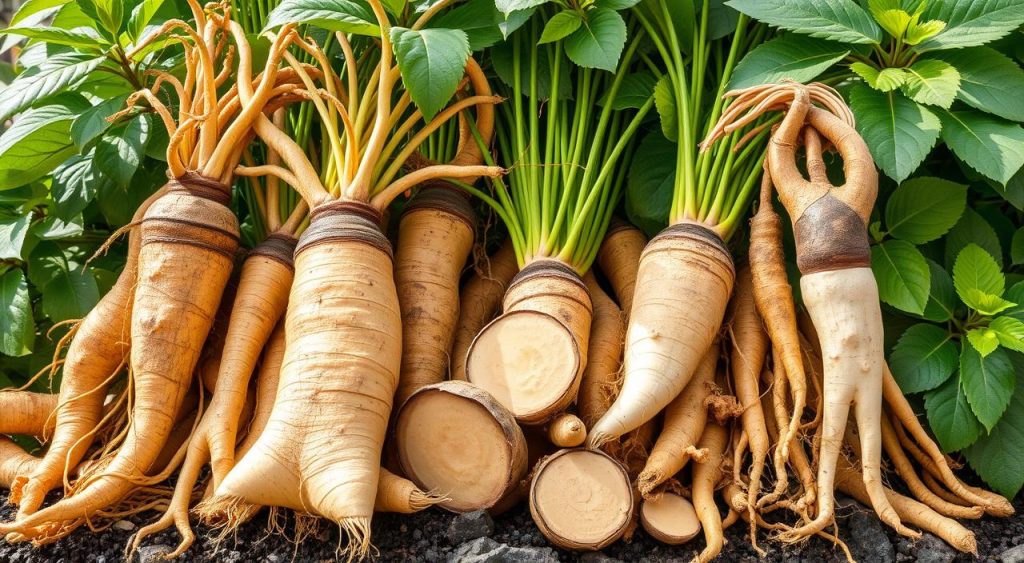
(683, 286)
(669, 518)
(27, 412)
(706, 475)
(320, 451)
(455, 439)
(619, 258)
(581, 499)
(532, 357)
(480, 300)
(600, 381)
(435, 237)
(14, 461)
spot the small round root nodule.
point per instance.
(669, 518)
(567, 431)
(581, 499)
(529, 362)
(455, 439)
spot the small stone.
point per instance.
(153, 553)
(470, 526)
(123, 525)
(930, 549)
(597, 557)
(1013, 555)
(403, 528)
(233, 556)
(273, 558)
(101, 559)
(867, 539)
(475, 548)
(417, 534)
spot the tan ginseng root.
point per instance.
(14, 461)
(27, 412)
(95, 356)
(581, 499)
(188, 240)
(532, 357)
(397, 494)
(600, 381)
(685, 420)
(473, 470)
(706, 475)
(435, 237)
(619, 258)
(566, 430)
(837, 285)
(479, 301)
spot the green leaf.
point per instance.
(55, 74)
(902, 274)
(891, 16)
(348, 16)
(986, 303)
(665, 103)
(560, 25)
(599, 41)
(616, 4)
(108, 13)
(923, 358)
(120, 151)
(976, 269)
(989, 81)
(31, 7)
(941, 295)
(514, 20)
(432, 62)
(838, 20)
(394, 7)
(999, 456)
(12, 235)
(899, 132)
(635, 90)
(75, 184)
(93, 122)
(923, 209)
(80, 39)
(70, 295)
(1017, 247)
(508, 6)
(53, 228)
(17, 327)
(983, 340)
(142, 14)
(918, 32)
(793, 57)
(970, 23)
(993, 147)
(649, 185)
(38, 141)
(1009, 331)
(932, 82)
(972, 228)
(885, 80)
(988, 382)
(478, 18)
(950, 416)
(721, 19)
(46, 262)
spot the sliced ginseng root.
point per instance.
(581, 499)
(458, 442)
(669, 518)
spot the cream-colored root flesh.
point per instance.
(455, 440)
(567, 431)
(669, 518)
(581, 499)
(843, 306)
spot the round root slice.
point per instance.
(581, 499)
(529, 362)
(455, 440)
(669, 518)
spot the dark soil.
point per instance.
(425, 537)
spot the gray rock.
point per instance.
(930, 549)
(867, 539)
(1013, 555)
(123, 525)
(470, 526)
(597, 557)
(486, 550)
(153, 553)
(272, 558)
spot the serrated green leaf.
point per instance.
(986, 303)
(970, 23)
(75, 184)
(989, 81)
(38, 141)
(53, 75)
(599, 41)
(923, 358)
(649, 185)
(890, 16)
(990, 145)
(933, 82)
(884, 80)
(838, 20)
(560, 25)
(790, 57)
(13, 230)
(941, 295)
(976, 269)
(902, 274)
(349, 16)
(432, 62)
(17, 327)
(950, 416)
(983, 340)
(988, 383)
(923, 209)
(70, 295)
(1009, 331)
(898, 131)
(918, 32)
(999, 456)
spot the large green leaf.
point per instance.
(636, 89)
(17, 327)
(665, 102)
(120, 151)
(950, 416)
(972, 228)
(923, 209)
(989, 81)
(560, 25)
(83, 39)
(838, 20)
(902, 274)
(988, 383)
(941, 295)
(598, 42)
(142, 14)
(649, 185)
(432, 62)
(109, 14)
(349, 16)
(13, 229)
(31, 7)
(479, 19)
(924, 358)
(976, 270)
(75, 183)
(1010, 332)
(970, 23)
(990, 145)
(898, 131)
(999, 456)
(793, 57)
(53, 75)
(38, 141)
(46, 262)
(933, 82)
(70, 294)
(93, 122)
